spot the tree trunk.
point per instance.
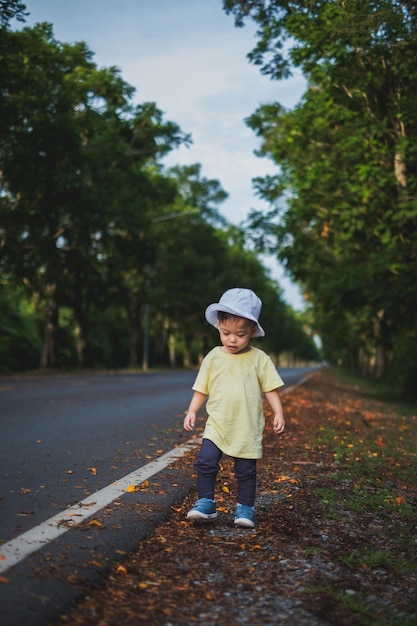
(171, 347)
(187, 352)
(380, 344)
(400, 168)
(145, 355)
(48, 358)
(133, 345)
(79, 344)
(49, 349)
(81, 333)
(133, 317)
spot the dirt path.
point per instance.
(335, 541)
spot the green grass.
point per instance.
(374, 559)
(355, 605)
(373, 443)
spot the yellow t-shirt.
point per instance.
(234, 383)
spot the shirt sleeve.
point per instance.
(270, 379)
(202, 380)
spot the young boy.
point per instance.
(233, 376)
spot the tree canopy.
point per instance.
(343, 211)
(109, 258)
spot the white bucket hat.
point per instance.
(241, 302)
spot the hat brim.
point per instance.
(213, 310)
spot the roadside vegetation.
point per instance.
(342, 212)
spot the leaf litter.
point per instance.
(335, 540)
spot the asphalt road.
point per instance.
(64, 438)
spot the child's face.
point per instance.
(235, 334)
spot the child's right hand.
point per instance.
(189, 421)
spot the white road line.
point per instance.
(27, 543)
(297, 384)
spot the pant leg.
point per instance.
(245, 472)
(207, 466)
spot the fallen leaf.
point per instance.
(93, 470)
(143, 585)
(131, 488)
(281, 479)
(95, 522)
(121, 570)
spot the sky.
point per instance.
(188, 57)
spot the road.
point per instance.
(64, 438)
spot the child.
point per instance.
(233, 376)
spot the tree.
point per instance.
(190, 250)
(347, 226)
(11, 9)
(72, 157)
(93, 231)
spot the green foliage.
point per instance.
(109, 340)
(114, 252)
(403, 366)
(73, 157)
(20, 341)
(11, 9)
(344, 214)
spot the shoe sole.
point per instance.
(244, 523)
(201, 516)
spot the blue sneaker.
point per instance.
(245, 516)
(204, 509)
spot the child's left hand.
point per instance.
(278, 424)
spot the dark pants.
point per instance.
(207, 466)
